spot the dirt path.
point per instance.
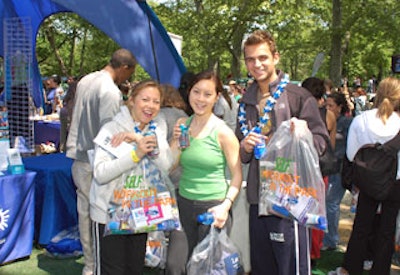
(346, 224)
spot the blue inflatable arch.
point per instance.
(130, 23)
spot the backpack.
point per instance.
(328, 162)
(373, 169)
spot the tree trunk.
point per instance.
(83, 51)
(335, 70)
(50, 37)
(72, 52)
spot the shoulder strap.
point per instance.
(189, 121)
(393, 145)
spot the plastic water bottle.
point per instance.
(206, 218)
(281, 210)
(156, 151)
(167, 225)
(184, 141)
(354, 200)
(316, 221)
(260, 148)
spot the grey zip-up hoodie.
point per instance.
(108, 170)
(294, 102)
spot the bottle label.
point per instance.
(156, 151)
(184, 141)
(260, 150)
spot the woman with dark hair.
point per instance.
(53, 96)
(337, 103)
(185, 83)
(213, 147)
(316, 87)
(226, 108)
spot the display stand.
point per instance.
(18, 81)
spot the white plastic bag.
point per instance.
(66, 244)
(215, 254)
(291, 184)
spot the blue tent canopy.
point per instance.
(130, 23)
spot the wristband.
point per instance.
(229, 199)
(134, 156)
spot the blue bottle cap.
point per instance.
(322, 224)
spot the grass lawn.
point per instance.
(41, 264)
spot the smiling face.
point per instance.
(332, 106)
(203, 96)
(145, 104)
(260, 62)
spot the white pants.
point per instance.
(82, 174)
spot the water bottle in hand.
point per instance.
(260, 148)
(206, 218)
(184, 141)
(156, 151)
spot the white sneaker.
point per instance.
(328, 248)
(87, 271)
(367, 265)
(338, 271)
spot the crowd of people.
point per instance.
(208, 174)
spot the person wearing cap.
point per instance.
(97, 101)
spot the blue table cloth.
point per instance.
(47, 131)
(16, 215)
(55, 198)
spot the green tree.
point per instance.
(357, 38)
(69, 45)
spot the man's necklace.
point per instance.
(269, 106)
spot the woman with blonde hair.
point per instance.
(378, 125)
(124, 254)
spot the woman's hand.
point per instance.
(128, 137)
(177, 131)
(145, 144)
(220, 213)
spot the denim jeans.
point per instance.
(334, 196)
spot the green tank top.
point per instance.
(203, 173)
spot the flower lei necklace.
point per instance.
(269, 106)
(152, 127)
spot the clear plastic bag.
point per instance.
(291, 184)
(145, 201)
(215, 254)
(156, 250)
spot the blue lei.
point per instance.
(269, 106)
(152, 127)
